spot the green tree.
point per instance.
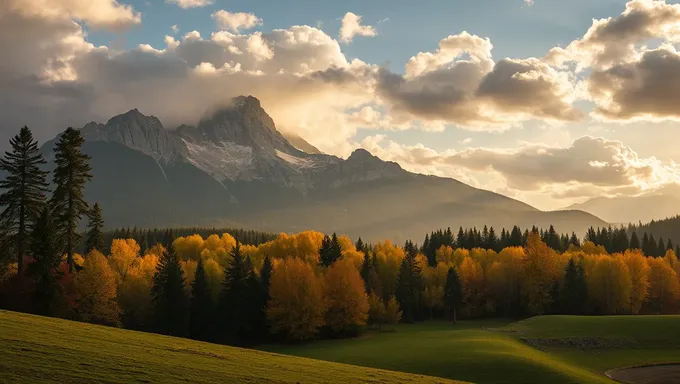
(453, 293)
(634, 241)
(68, 201)
(95, 237)
(46, 255)
(330, 250)
(410, 284)
(23, 194)
(201, 306)
(574, 293)
(235, 306)
(168, 295)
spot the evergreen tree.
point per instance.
(453, 294)
(168, 296)
(574, 292)
(516, 239)
(266, 275)
(634, 241)
(201, 306)
(366, 267)
(552, 240)
(645, 244)
(661, 248)
(360, 246)
(235, 307)
(460, 239)
(335, 251)
(669, 245)
(410, 284)
(23, 196)
(573, 240)
(95, 236)
(68, 202)
(493, 242)
(46, 255)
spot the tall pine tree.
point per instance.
(168, 295)
(234, 302)
(95, 237)
(68, 201)
(23, 194)
(574, 293)
(44, 248)
(202, 307)
(410, 284)
(453, 293)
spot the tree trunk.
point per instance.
(21, 237)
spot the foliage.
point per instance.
(297, 306)
(169, 296)
(96, 291)
(94, 239)
(347, 302)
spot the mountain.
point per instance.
(301, 144)
(234, 168)
(632, 209)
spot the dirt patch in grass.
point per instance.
(582, 343)
(653, 374)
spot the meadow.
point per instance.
(554, 349)
(47, 350)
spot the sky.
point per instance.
(551, 102)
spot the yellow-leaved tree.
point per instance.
(297, 305)
(664, 289)
(541, 270)
(609, 284)
(639, 276)
(346, 298)
(96, 287)
(124, 252)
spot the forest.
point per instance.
(243, 287)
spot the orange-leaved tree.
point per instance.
(96, 287)
(297, 305)
(346, 298)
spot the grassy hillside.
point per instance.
(42, 350)
(554, 349)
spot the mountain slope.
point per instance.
(631, 209)
(234, 168)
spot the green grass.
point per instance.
(493, 352)
(42, 350)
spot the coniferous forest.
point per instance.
(244, 287)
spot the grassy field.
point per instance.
(554, 349)
(42, 350)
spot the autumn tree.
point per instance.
(95, 223)
(541, 271)
(376, 311)
(609, 284)
(347, 302)
(23, 195)
(639, 275)
(664, 288)
(68, 201)
(96, 289)
(393, 312)
(330, 250)
(124, 252)
(453, 295)
(169, 295)
(297, 306)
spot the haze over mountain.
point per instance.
(632, 209)
(235, 168)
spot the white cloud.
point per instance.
(186, 4)
(175, 28)
(351, 27)
(236, 22)
(98, 14)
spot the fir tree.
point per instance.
(360, 246)
(492, 242)
(574, 292)
(24, 189)
(460, 239)
(661, 248)
(634, 241)
(573, 240)
(669, 245)
(95, 236)
(169, 298)
(516, 239)
(324, 251)
(453, 294)
(68, 202)
(645, 244)
(201, 306)
(234, 299)
(410, 284)
(46, 255)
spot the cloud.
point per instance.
(528, 3)
(460, 84)
(614, 40)
(351, 27)
(186, 4)
(589, 167)
(98, 14)
(235, 22)
(175, 28)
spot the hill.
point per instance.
(631, 209)
(46, 350)
(235, 169)
(546, 349)
(667, 228)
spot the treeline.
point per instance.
(147, 237)
(616, 240)
(668, 229)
